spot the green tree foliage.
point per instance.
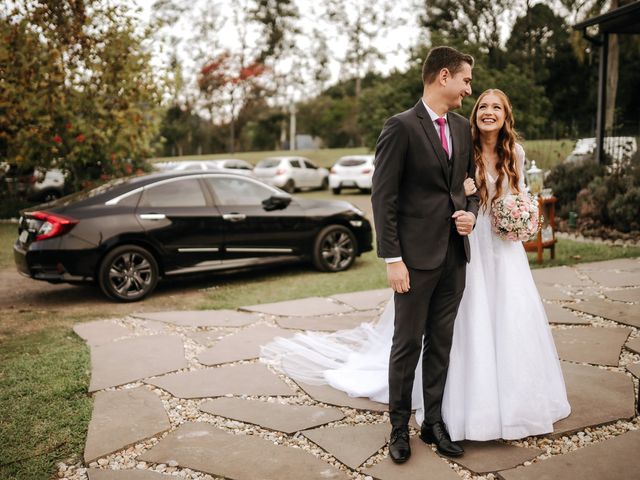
(78, 89)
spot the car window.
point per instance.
(268, 163)
(295, 163)
(309, 164)
(237, 191)
(179, 193)
(351, 162)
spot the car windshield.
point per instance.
(351, 162)
(268, 163)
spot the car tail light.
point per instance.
(53, 225)
(32, 179)
(281, 171)
(366, 170)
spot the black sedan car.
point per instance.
(127, 234)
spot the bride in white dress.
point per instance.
(504, 378)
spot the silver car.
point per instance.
(292, 173)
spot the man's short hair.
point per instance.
(443, 57)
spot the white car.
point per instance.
(292, 173)
(353, 171)
(232, 165)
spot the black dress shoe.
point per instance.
(399, 449)
(437, 433)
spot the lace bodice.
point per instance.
(491, 182)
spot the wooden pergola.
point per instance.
(625, 19)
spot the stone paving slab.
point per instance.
(100, 331)
(368, 300)
(624, 264)
(331, 396)
(97, 474)
(122, 418)
(634, 368)
(248, 379)
(634, 345)
(596, 345)
(423, 464)
(352, 445)
(615, 279)
(209, 337)
(304, 307)
(485, 457)
(560, 315)
(133, 359)
(273, 416)
(618, 312)
(549, 292)
(243, 345)
(628, 295)
(203, 447)
(203, 318)
(596, 397)
(616, 458)
(558, 276)
(328, 323)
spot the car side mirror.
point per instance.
(276, 202)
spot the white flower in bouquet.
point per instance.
(515, 217)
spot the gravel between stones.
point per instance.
(186, 410)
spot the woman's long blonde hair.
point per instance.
(506, 147)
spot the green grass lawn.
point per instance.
(44, 374)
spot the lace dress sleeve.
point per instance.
(520, 155)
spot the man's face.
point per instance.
(458, 86)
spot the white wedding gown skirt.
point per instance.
(504, 378)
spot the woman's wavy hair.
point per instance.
(506, 146)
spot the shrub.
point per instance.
(624, 210)
(567, 180)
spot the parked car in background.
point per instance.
(232, 165)
(353, 171)
(37, 183)
(619, 149)
(292, 173)
(127, 234)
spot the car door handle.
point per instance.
(234, 217)
(153, 216)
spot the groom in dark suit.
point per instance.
(422, 219)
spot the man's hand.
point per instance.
(398, 277)
(464, 222)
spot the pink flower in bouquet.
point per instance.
(515, 213)
(510, 202)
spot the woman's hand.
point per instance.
(469, 187)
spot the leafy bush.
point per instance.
(624, 210)
(612, 199)
(569, 179)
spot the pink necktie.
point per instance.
(443, 137)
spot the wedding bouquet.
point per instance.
(515, 217)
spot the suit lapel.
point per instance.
(430, 130)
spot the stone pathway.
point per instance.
(183, 394)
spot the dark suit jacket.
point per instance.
(413, 197)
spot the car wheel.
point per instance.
(334, 249)
(365, 190)
(290, 186)
(128, 273)
(325, 184)
(336, 190)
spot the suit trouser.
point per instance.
(424, 319)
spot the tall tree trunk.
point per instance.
(612, 77)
